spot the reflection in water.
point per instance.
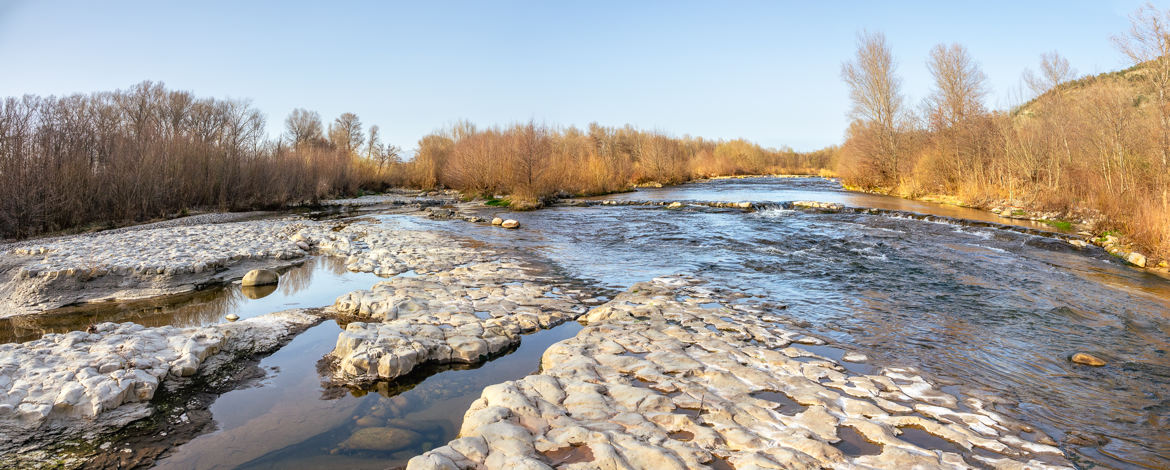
(292, 420)
(257, 292)
(316, 283)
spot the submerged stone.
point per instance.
(1087, 359)
(382, 439)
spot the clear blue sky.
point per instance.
(768, 71)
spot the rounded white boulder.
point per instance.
(260, 277)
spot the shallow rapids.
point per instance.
(991, 312)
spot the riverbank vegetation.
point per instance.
(148, 152)
(110, 158)
(1094, 148)
(530, 162)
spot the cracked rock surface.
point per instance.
(464, 314)
(66, 384)
(384, 251)
(180, 255)
(140, 263)
(660, 379)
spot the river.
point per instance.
(983, 311)
(990, 312)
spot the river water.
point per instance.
(983, 311)
(991, 312)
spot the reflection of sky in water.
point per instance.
(287, 422)
(316, 283)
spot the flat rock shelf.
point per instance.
(657, 380)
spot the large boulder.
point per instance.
(510, 223)
(260, 277)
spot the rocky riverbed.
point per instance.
(446, 301)
(463, 315)
(671, 373)
(180, 255)
(662, 377)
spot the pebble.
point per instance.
(385, 251)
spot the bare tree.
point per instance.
(532, 155)
(960, 86)
(1148, 43)
(303, 126)
(346, 133)
(876, 93)
(1054, 70)
(391, 154)
(374, 144)
(147, 152)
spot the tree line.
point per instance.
(532, 162)
(1095, 147)
(100, 159)
(103, 159)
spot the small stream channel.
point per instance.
(291, 420)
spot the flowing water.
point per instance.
(995, 312)
(983, 311)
